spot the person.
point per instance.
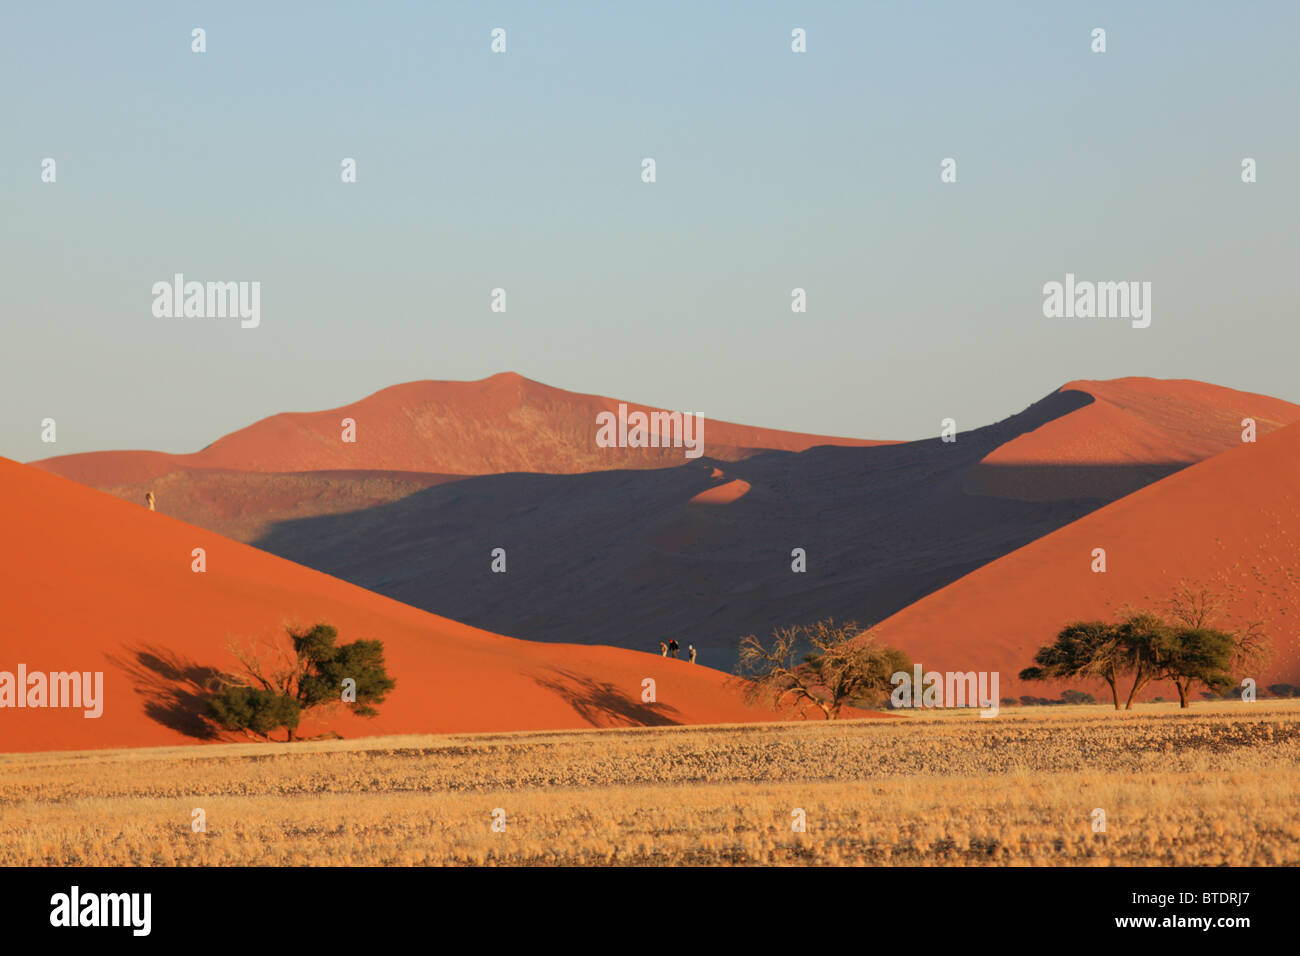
(148, 497)
(663, 649)
(692, 650)
(672, 647)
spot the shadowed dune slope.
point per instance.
(680, 552)
(1231, 523)
(93, 583)
(1089, 441)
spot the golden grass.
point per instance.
(1219, 784)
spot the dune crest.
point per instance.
(1134, 431)
(505, 423)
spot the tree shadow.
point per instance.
(174, 689)
(600, 702)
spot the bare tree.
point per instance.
(272, 665)
(847, 664)
(1195, 605)
(1199, 607)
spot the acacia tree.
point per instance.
(1144, 640)
(1198, 654)
(846, 665)
(279, 684)
(1083, 649)
(1186, 647)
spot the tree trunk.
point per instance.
(1138, 681)
(1114, 691)
(1182, 692)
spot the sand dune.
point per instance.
(505, 423)
(1231, 522)
(1134, 431)
(881, 527)
(634, 555)
(1088, 440)
(97, 584)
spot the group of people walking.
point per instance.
(670, 647)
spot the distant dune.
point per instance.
(1098, 441)
(505, 423)
(96, 584)
(1231, 522)
(634, 556)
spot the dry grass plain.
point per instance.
(1217, 785)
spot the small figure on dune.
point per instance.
(148, 497)
(672, 647)
(691, 648)
(663, 649)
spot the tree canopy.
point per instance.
(277, 684)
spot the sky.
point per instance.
(522, 170)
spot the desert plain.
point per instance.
(1042, 786)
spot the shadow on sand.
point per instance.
(173, 689)
(604, 705)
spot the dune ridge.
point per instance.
(504, 423)
(1134, 431)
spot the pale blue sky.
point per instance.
(522, 170)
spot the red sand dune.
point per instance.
(95, 583)
(1231, 522)
(1132, 432)
(505, 423)
(881, 528)
(1103, 449)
